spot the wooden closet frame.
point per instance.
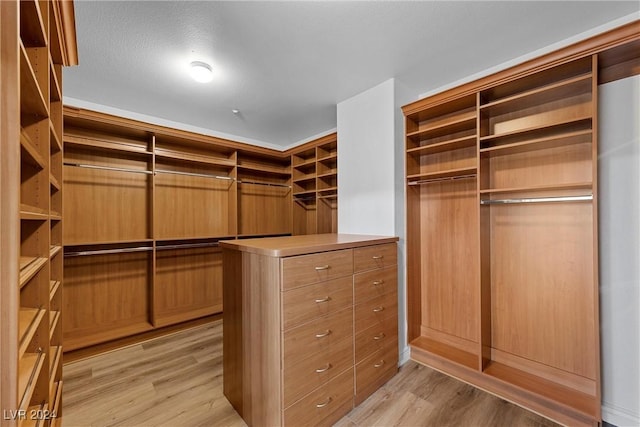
(615, 54)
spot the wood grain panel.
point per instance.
(449, 230)
(105, 206)
(542, 277)
(187, 281)
(105, 297)
(309, 302)
(378, 256)
(263, 210)
(191, 207)
(308, 269)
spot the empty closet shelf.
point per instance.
(269, 184)
(107, 168)
(588, 197)
(108, 251)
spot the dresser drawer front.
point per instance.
(374, 371)
(378, 256)
(318, 335)
(324, 406)
(307, 269)
(375, 311)
(310, 302)
(303, 376)
(375, 283)
(376, 338)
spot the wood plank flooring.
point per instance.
(176, 380)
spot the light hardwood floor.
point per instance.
(176, 380)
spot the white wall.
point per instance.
(619, 235)
(371, 173)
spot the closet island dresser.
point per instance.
(310, 325)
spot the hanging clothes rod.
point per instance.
(107, 168)
(448, 178)
(538, 200)
(201, 175)
(188, 246)
(108, 251)
(269, 184)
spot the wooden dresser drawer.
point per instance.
(376, 338)
(303, 376)
(310, 302)
(378, 256)
(307, 269)
(374, 371)
(317, 335)
(375, 311)
(375, 283)
(324, 406)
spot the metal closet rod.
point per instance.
(188, 246)
(107, 168)
(108, 251)
(201, 175)
(269, 184)
(537, 200)
(448, 178)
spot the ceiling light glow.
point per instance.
(201, 72)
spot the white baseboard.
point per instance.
(618, 416)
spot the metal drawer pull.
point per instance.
(325, 403)
(324, 334)
(377, 365)
(378, 282)
(379, 337)
(322, 267)
(378, 309)
(325, 299)
(377, 257)
(325, 369)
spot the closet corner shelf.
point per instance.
(30, 152)
(330, 157)
(440, 147)
(33, 106)
(451, 173)
(28, 212)
(306, 163)
(29, 267)
(557, 140)
(32, 32)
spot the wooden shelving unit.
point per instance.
(35, 79)
(315, 186)
(502, 179)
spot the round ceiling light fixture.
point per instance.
(201, 72)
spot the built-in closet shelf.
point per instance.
(441, 147)
(29, 267)
(447, 352)
(195, 158)
(29, 369)
(332, 157)
(304, 193)
(93, 143)
(536, 132)
(544, 143)
(53, 288)
(569, 186)
(32, 29)
(54, 182)
(328, 196)
(55, 216)
(33, 213)
(30, 153)
(327, 190)
(54, 84)
(331, 174)
(54, 318)
(286, 172)
(54, 250)
(33, 106)
(451, 173)
(549, 93)
(305, 163)
(56, 143)
(28, 321)
(109, 242)
(55, 356)
(305, 178)
(458, 123)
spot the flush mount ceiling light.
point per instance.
(201, 72)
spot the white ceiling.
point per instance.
(285, 65)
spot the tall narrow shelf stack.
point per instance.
(44, 41)
(315, 187)
(502, 231)
(145, 207)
